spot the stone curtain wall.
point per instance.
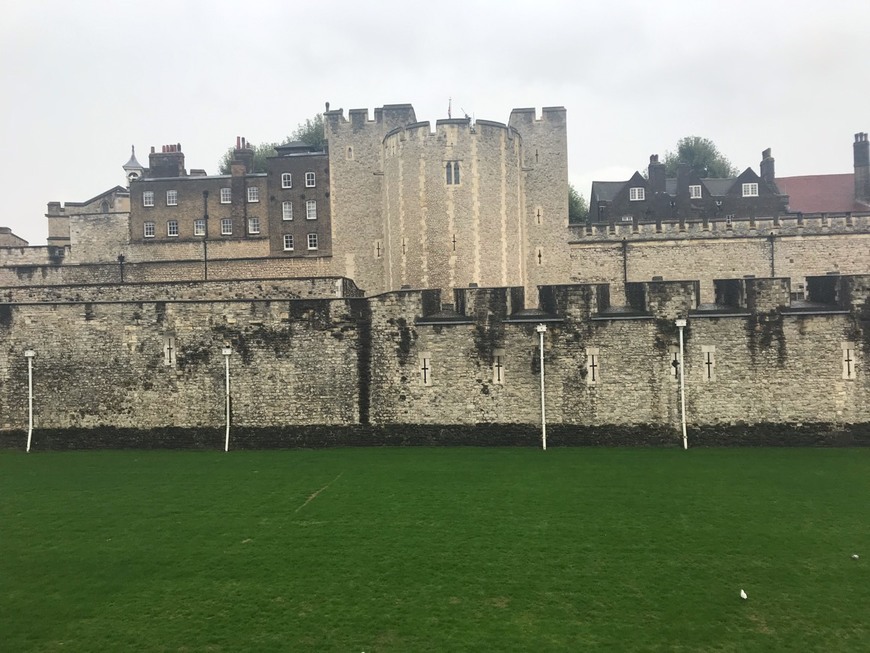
(314, 287)
(816, 246)
(164, 271)
(358, 364)
(105, 364)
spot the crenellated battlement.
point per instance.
(656, 299)
(529, 116)
(793, 224)
(388, 117)
(446, 128)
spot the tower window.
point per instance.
(453, 173)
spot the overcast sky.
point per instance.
(82, 81)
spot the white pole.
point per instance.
(681, 324)
(542, 329)
(29, 354)
(227, 351)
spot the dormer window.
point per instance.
(750, 190)
(695, 192)
(637, 194)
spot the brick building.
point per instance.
(687, 197)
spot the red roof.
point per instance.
(821, 193)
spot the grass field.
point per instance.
(433, 549)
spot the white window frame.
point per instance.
(287, 210)
(750, 190)
(149, 229)
(695, 192)
(636, 194)
(311, 209)
(310, 179)
(199, 227)
(288, 242)
(172, 226)
(253, 194)
(312, 238)
(172, 198)
(148, 198)
(226, 195)
(286, 180)
(253, 225)
(226, 226)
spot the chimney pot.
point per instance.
(238, 142)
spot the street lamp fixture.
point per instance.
(681, 324)
(541, 329)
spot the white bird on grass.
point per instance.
(743, 595)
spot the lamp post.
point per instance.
(29, 354)
(681, 323)
(542, 329)
(227, 351)
(121, 260)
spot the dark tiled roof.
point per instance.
(605, 191)
(718, 186)
(821, 193)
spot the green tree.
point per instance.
(578, 210)
(702, 155)
(261, 152)
(310, 132)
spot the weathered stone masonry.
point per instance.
(351, 370)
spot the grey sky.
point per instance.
(83, 81)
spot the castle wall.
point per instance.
(104, 364)
(394, 361)
(253, 289)
(98, 237)
(168, 270)
(813, 246)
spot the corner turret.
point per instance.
(133, 170)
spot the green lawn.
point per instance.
(427, 549)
